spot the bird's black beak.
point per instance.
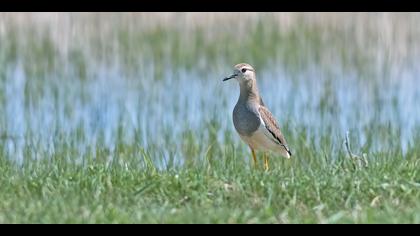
(230, 77)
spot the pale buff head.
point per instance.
(242, 72)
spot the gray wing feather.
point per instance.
(273, 127)
(261, 102)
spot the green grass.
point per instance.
(222, 187)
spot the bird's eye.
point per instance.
(243, 70)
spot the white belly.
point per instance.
(259, 141)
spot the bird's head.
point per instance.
(242, 73)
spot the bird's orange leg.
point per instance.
(266, 166)
(254, 157)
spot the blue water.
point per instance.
(44, 111)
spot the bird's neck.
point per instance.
(249, 91)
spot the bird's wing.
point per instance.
(273, 128)
(261, 102)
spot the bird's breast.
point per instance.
(245, 120)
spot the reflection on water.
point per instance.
(157, 112)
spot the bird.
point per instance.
(253, 121)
